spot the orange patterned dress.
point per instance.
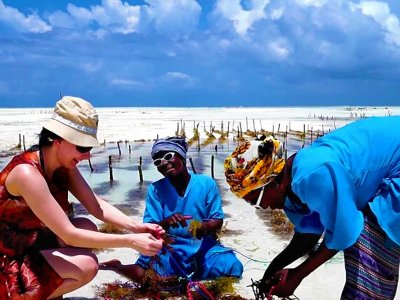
(24, 273)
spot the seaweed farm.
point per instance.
(121, 169)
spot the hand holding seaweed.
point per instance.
(208, 227)
(286, 282)
(155, 229)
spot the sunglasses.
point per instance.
(166, 158)
(82, 149)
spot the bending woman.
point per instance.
(344, 187)
(45, 252)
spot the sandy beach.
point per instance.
(247, 230)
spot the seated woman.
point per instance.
(46, 251)
(174, 202)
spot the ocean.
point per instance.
(138, 123)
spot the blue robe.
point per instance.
(343, 172)
(203, 259)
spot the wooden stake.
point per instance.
(119, 149)
(90, 165)
(140, 170)
(311, 138)
(192, 165)
(110, 167)
(212, 166)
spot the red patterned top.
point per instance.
(20, 229)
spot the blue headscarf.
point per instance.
(175, 144)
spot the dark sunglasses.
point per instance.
(166, 158)
(82, 149)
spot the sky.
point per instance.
(200, 53)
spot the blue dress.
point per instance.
(203, 259)
(341, 174)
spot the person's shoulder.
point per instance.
(310, 160)
(23, 175)
(159, 183)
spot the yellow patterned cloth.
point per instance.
(253, 164)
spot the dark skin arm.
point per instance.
(300, 245)
(209, 227)
(289, 279)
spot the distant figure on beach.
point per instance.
(345, 188)
(188, 207)
(45, 251)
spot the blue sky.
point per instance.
(200, 53)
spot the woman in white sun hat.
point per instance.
(44, 251)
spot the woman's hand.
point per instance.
(146, 243)
(175, 221)
(287, 281)
(156, 230)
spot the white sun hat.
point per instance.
(76, 121)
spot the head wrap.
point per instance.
(253, 164)
(175, 144)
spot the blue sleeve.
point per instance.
(153, 212)
(304, 220)
(330, 192)
(214, 201)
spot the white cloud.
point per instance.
(276, 14)
(22, 23)
(117, 16)
(315, 3)
(126, 83)
(61, 19)
(173, 16)
(380, 12)
(113, 15)
(278, 48)
(178, 75)
(242, 18)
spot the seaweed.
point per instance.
(169, 288)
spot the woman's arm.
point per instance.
(300, 245)
(26, 181)
(103, 210)
(289, 279)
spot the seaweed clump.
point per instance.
(280, 222)
(169, 288)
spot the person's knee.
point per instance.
(89, 267)
(225, 265)
(237, 268)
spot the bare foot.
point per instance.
(113, 265)
(130, 271)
